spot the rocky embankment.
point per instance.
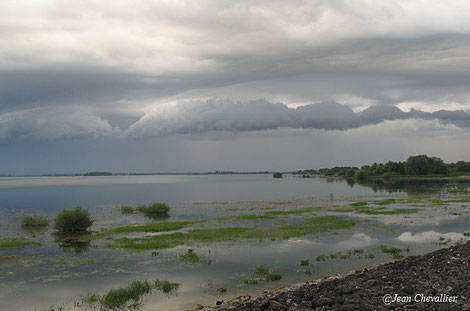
(436, 281)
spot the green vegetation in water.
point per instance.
(273, 277)
(166, 287)
(155, 210)
(127, 210)
(294, 212)
(155, 227)
(250, 281)
(73, 221)
(304, 262)
(261, 269)
(191, 256)
(314, 225)
(31, 261)
(360, 203)
(308, 271)
(34, 224)
(130, 296)
(391, 212)
(349, 254)
(385, 202)
(277, 175)
(253, 217)
(394, 252)
(16, 243)
(466, 234)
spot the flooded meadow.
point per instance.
(224, 235)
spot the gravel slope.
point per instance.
(441, 275)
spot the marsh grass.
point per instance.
(34, 224)
(253, 217)
(273, 277)
(16, 243)
(394, 252)
(304, 262)
(155, 210)
(385, 202)
(191, 256)
(156, 227)
(313, 225)
(360, 203)
(250, 281)
(261, 269)
(130, 296)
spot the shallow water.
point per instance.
(49, 275)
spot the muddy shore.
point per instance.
(435, 281)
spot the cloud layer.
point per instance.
(227, 115)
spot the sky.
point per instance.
(178, 86)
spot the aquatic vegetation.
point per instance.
(466, 234)
(360, 203)
(34, 224)
(304, 262)
(391, 212)
(308, 271)
(191, 256)
(250, 281)
(155, 227)
(395, 252)
(294, 212)
(72, 221)
(221, 289)
(277, 175)
(370, 256)
(273, 277)
(16, 243)
(166, 287)
(130, 296)
(127, 210)
(155, 210)
(313, 225)
(385, 202)
(261, 269)
(253, 217)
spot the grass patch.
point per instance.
(34, 224)
(250, 281)
(394, 252)
(157, 227)
(130, 296)
(312, 226)
(392, 212)
(294, 212)
(16, 243)
(155, 210)
(385, 202)
(273, 277)
(192, 257)
(360, 203)
(253, 217)
(261, 269)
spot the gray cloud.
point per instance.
(227, 115)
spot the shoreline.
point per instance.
(439, 280)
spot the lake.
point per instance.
(299, 228)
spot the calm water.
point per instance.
(43, 277)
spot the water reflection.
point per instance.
(413, 186)
(73, 243)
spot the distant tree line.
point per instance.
(414, 165)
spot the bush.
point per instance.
(154, 210)
(76, 220)
(34, 224)
(277, 175)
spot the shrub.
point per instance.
(127, 210)
(34, 224)
(76, 220)
(273, 277)
(154, 210)
(277, 175)
(261, 269)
